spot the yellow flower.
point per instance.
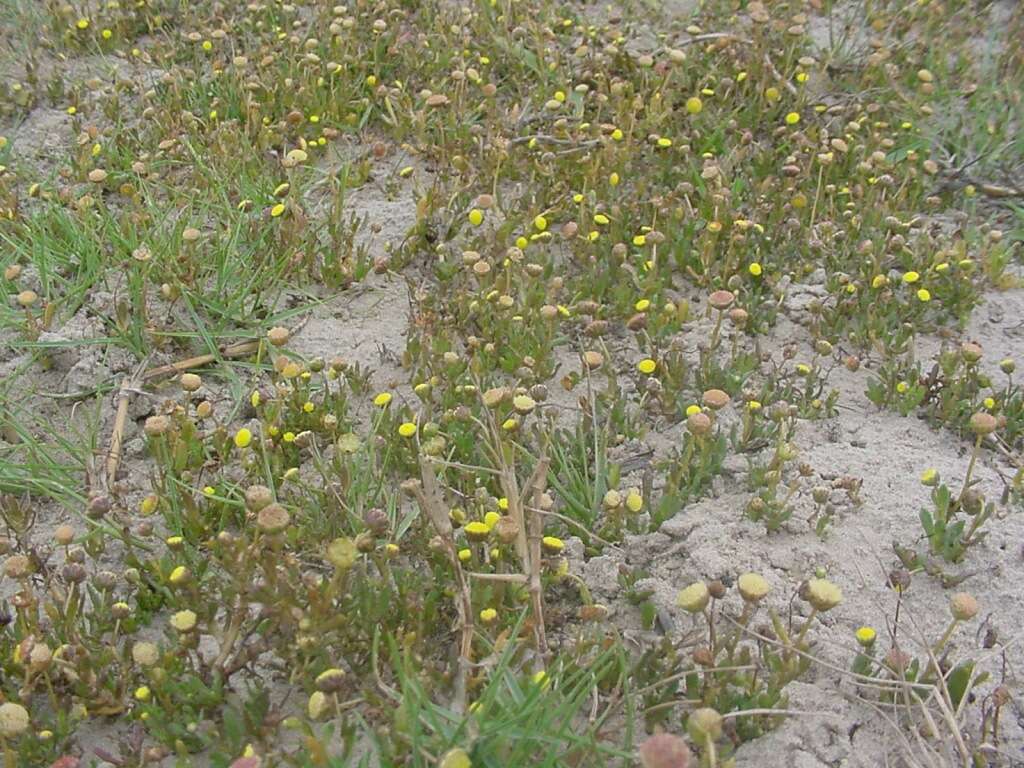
(879, 281)
(465, 555)
(142, 693)
(209, 490)
(692, 409)
(643, 305)
(82, 23)
(308, 407)
(560, 96)
(552, 544)
(617, 135)
(639, 240)
(491, 519)
(924, 295)
(277, 210)
(694, 105)
(179, 575)
(989, 402)
(634, 501)
(772, 93)
(407, 429)
(600, 218)
(184, 621)
(106, 34)
(255, 398)
(755, 269)
(911, 277)
(664, 143)
(207, 45)
(866, 636)
(930, 477)
(382, 400)
(540, 223)
(694, 598)
(289, 437)
(488, 615)
(792, 118)
(803, 369)
(476, 217)
(614, 179)
(476, 531)
(243, 437)
(753, 406)
(646, 366)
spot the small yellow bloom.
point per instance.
(243, 438)
(911, 277)
(792, 118)
(491, 519)
(694, 105)
(142, 693)
(643, 305)
(614, 179)
(82, 23)
(308, 407)
(476, 217)
(753, 406)
(617, 135)
(879, 281)
(465, 555)
(209, 490)
(989, 403)
(692, 409)
(289, 437)
(755, 269)
(924, 295)
(540, 223)
(488, 615)
(277, 210)
(600, 218)
(503, 504)
(106, 34)
(772, 94)
(664, 143)
(646, 366)
(407, 429)
(866, 636)
(930, 477)
(902, 387)
(552, 544)
(179, 575)
(639, 240)
(382, 400)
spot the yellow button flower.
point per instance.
(243, 438)
(407, 429)
(646, 366)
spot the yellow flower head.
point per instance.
(243, 438)
(407, 429)
(866, 636)
(911, 277)
(692, 409)
(694, 105)
(476, 217)
(646, 366)
(755, 269)
(382, 400)
(924, 295)
(792, 118)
